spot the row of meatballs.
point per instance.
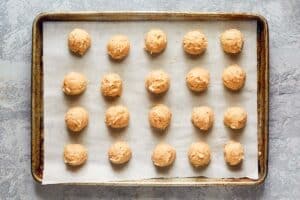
(194, 42)
(163, 155)
(157, 81)
(159, 117)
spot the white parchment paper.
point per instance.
(58, 61)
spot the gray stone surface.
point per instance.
(15, 60)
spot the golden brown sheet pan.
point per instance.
(262, 92)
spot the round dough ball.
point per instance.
(197, 79)
(155, 41)
(203, 117)
(79, 41)
(234, 77)
(75, 154)
(232, 41)
(119, 153)
(160, 117)
(117, 117)
(235, 117)
(233, 153)
(157, 82)
(194, 42)
(76, 119)
(74, 83)
(118, 47)
(163, 155)
(199, 154)
(111, 85)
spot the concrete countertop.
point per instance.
(283, 181)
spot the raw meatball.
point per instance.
(203, 117)
(163, 155)
(232, 41)
(74, 83)
(197, 79)
(75, 154)
(155, 41)
(79, 41)
(234, 77)
(199, 154)
(111, 85)
(233, 153)
(76, 119)
(194, 42)
(160, 117)
(235, 117)
(118, 47)
(157, 82)
(117, 117)
(119, 153)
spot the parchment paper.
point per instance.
(58, 61)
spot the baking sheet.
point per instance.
(97, 137)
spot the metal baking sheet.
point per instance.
(169, 58)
